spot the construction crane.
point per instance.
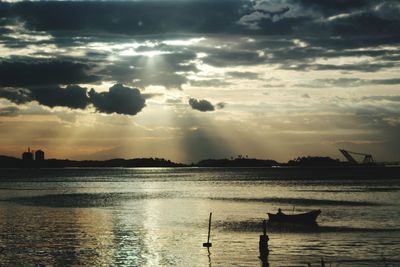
(368, 159)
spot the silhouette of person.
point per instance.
(279, 211)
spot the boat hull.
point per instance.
(302, 218)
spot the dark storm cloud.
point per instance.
(201, 105)
(338, 16)
(329, 29)
(325, 29)
(275, 17)
(364, 24)
(197, 16)
(136, 17)
(43, 72)
(16, 95)
(72, 96)
(119, 99)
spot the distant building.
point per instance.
(28, 155)
(39, 155)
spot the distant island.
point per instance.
(11, 162)
(309, 161)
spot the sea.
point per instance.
(160, 216)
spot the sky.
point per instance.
(193, 79)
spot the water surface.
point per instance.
(159, 217)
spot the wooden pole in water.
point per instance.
(263, 245)
(208, 244)
(264, 227)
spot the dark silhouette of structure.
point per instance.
(39, 155)
(368, 159)
(28, 155)
(31, 155)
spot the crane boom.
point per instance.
(368, 159)
(356, 153)
(347, 155)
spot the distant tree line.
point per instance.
(240, 161)
(10, 162)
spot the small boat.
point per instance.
(301, 218)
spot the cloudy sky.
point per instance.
(193, 79)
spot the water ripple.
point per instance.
(256, 226)
(85, 200)
(303, 201)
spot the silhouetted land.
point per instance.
(11, 162)
(316, 161)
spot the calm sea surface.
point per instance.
(159, 217)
